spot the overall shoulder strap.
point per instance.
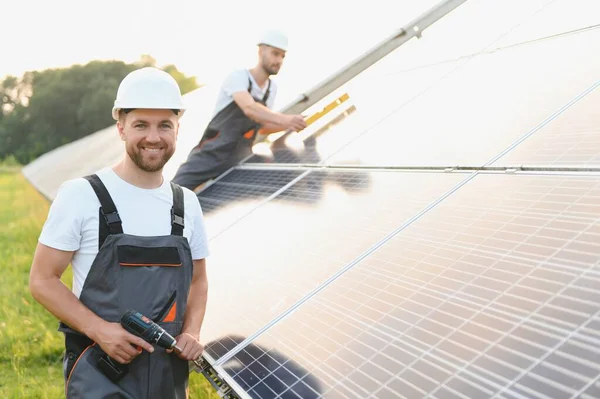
(110, 222)
(177, 215)
(266, 97)
(249, 85)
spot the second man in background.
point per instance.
(242, 111)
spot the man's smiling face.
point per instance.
(150, 137)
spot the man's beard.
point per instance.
(155, 165)
(270, 70)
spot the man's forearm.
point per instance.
(61, 302)
(269, 128)
(262, 114)
(196, 307)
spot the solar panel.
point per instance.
(503, 95)
(416, 66)
(593, 391)
(492, 293)
(407, 71)
(235, 194)
(287, 246)
(361, 279)
(572, 139)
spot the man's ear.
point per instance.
(121, 130)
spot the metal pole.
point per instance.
(383, 48)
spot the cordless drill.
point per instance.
(141, 326)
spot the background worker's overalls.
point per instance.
(151, 275)
(227, 140)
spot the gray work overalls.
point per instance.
(227, 140)
(151, 275)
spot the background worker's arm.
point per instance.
(263, 115)
(46, 287)
(269, 128)
(189, 340)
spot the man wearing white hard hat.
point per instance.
(242, 111)
(135, 241)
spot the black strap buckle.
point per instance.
(111, 218)
(176, 219)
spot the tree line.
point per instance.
(43, 110)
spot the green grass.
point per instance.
(30, 346)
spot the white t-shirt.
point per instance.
(72, 223)
(238, 81)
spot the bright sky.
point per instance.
(202, 38)
(207, 39)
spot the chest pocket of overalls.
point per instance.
(148, 280)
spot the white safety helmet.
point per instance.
(274, 38)
(148, 88)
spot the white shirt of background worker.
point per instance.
(237, 82)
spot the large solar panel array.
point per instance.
(495, 289)
(437, 236)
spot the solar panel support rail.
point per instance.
(371, 56)
(447, 168)
(220, 385)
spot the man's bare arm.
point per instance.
(269, 128)
(189, 339)
(46, 287)
(261, 114)
(197, 298)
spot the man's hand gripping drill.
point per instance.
(141, 326)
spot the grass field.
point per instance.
(30, 347)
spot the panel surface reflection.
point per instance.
(237, 193)
(483, 107)
(552, 18)
(572, 139)
(493, 292)
(289, 245)
(369, 102)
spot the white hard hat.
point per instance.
(149, 88)
(274, 38)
